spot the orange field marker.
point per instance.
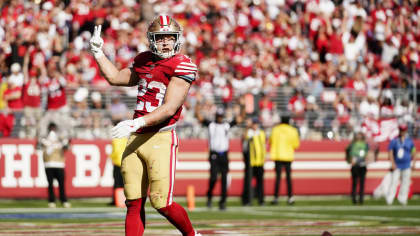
(190, 197)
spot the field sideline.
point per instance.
(309, 216)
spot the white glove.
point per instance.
(126, 127)
(96, 42)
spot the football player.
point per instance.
(163, 77)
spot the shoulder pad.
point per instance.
(184, 68)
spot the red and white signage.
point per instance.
(319, 168)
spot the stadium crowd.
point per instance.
(328, 63)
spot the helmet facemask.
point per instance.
(153, 44)
(164, 25)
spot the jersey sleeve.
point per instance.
(185, 69)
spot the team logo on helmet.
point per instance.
(164, 25)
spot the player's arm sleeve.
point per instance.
(186, 70)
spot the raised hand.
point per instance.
(96, 42)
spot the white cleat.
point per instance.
(66, 204)
(52, 205)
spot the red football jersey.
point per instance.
(56, 93)
(31, 93)
(154, 76)
(15, 104)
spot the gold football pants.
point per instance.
(149, 160)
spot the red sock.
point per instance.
(177, 215)
(135, 219)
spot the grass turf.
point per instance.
(338, 209)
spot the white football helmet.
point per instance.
(164, 24)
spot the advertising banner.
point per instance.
(319, 168)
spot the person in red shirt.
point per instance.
(54, 84)
(13, 97)
(343, 108)
(297, 107)
(31, 98)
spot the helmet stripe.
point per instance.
(164, 20)
(161, 21)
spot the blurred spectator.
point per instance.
(313, 116)
(117, 109)
(97, 102)
(240, 46)
(343, 108)
(369, 107)
(404, 111)
(13, 96)
(80, 114)
(56, 105)
(266, 111)
(17, 76)
(297, 106)
(387, 109)
(31, 97)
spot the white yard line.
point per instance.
(328, 216)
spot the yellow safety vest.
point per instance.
(284, 140)
(257, 149)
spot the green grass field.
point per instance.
(308, 216)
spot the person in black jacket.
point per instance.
(219, 147)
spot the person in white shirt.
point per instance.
(219, 148)
(54, 161)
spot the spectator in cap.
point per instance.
(219, 146)
(16, 76)
(402, 154)
(96, 98)
(284, 140)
